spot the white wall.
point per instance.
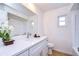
(61, 37)
(40, 24)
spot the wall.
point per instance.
(40, 24)
(61, 37)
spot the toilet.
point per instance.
(50, 48)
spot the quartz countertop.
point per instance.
(20, 44)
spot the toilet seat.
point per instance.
(50, 45)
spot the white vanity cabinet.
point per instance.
(45, 48)
(23, 47)
(40, 49)
(35, 50)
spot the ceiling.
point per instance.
(20, 8)
(50, 6)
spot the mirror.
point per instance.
(19, 24)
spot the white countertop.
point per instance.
(20, 44)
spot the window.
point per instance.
(62, 20)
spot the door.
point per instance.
(77, 30)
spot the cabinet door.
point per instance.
(35, 50)
(45, 48)
(45, 51)
(35, 53)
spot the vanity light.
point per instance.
(32, 23)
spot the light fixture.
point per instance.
(32, 23)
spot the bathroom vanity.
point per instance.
(24, 46)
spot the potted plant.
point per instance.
(5, 35)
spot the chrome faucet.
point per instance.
(28, 35)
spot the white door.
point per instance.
(77, 30)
